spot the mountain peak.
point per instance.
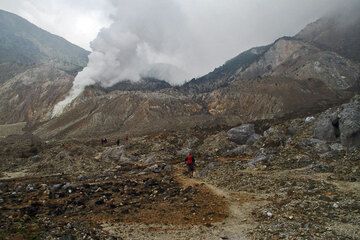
(26, 44)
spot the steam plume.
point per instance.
(174, 40)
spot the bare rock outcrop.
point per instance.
(342, 124)
(241, 134)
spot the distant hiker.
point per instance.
(103, 141)
(190, 163)
(118, 142)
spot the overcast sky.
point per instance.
(242, 23)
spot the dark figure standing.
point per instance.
(103, 141)
(190, 163)
(118, 142)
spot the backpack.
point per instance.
(189, 160)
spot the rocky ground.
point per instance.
(291, 179)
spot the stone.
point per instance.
(268, 214)
(253, 139)
(56, 187)
(35, 158)
(81, 178)
(274, 137)
(68, 186)
(113, 153)
(30, 187)
(337, 147)
(150, 160)
(154, 168)
(241, 134)
(63, 155)
(309, 119)
(183, 152)
(240, 150)
(258, 159)
(327, 127)
(319, 146)
(167, 168)
(350, 124)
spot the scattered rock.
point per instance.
(309, 119)
(63, 155)
(35, 158)
(253, 139)
(241, 134)
(216, 144)
(268, 214)
(240, 150)
(113, 153)
(183, 152)
(154, 168)
(30, 187)
(337, 147)
(319, 146)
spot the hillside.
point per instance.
(338, 32)
(23, 45)
(288, 78)
(36, 70)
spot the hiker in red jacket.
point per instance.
(190, 163)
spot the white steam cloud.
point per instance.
(175, 40)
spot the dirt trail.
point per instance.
(239, 222)
(240, 205)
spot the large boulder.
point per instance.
(350, 124)
(327, 127)
(241, 134)
(340, 125)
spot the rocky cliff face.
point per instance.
(125, 112)
(300, 60)
(31, 95)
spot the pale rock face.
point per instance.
(31, 95)
(299, 60)
(280, 52)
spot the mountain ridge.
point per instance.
(24, 43)
(287, 78)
